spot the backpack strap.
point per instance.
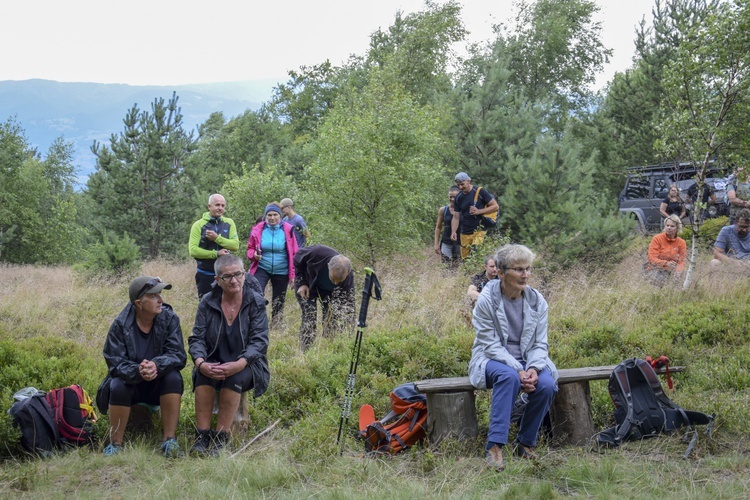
(84, 402)
(391, 415)
(400, 441)
(623, 430)
(413, 419)
(689, 418)
(476, 194)
(664, 401)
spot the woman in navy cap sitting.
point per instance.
(144, 352)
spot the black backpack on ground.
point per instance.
(643, 410)
(36, 421)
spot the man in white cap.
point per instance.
(298, 223)
(473, 203)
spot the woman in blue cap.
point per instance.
(270, 249)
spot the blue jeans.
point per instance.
(506, 385)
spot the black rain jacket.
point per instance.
(120, 351)
(209, 320)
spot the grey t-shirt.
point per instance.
(514, 315)
(732, 244)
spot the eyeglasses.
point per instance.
(148, 286)
(226, 278)
(520, 270)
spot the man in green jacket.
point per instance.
(211, 236)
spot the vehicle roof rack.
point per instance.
(672, 166)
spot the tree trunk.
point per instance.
(451, 415)
(571, 414)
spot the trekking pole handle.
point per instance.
(372, 289)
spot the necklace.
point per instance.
(229, 310)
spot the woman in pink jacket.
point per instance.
(270, 249)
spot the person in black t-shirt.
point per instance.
(228, 347)
(478, 281)
(708, 197)
(448, 249)
(145, 352)
(472, 206)
(673, 203)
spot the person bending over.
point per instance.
(322, 274)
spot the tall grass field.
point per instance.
(53, 323)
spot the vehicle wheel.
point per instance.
(638, 228)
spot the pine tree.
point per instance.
(139, 186)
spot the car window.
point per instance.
(661, 187)
(638, 187)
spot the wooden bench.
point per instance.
(142, 417)
(451, 411)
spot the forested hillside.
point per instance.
(368, 149)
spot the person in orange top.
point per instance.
(667, 252)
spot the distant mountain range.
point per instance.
(84, 112)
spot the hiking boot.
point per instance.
(218, 443)
(112, 449)
(526, 452)
(202, 443)
(494, 458)
(171, 448)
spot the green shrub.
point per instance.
(706, 324)
(710, 228)
(114, 255)
(45, 363)
(707, 232)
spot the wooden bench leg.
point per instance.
(141, 419)
(451, 415)
(241, 418)
(571, 414)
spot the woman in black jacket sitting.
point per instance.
(228, 347)
(145, 352)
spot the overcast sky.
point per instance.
(171, 42)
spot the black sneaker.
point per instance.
(218, 443)
(202, 444)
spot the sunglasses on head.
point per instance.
(148, 286)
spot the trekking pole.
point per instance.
(372, 289)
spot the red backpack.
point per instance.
(73, 414)
(408, 408)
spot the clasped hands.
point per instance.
(220, 371)
(148, 370)
(529, 379)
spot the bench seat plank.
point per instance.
(567, 375)
(570, 412)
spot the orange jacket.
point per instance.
(662, 251)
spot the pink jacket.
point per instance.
(254, 242)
